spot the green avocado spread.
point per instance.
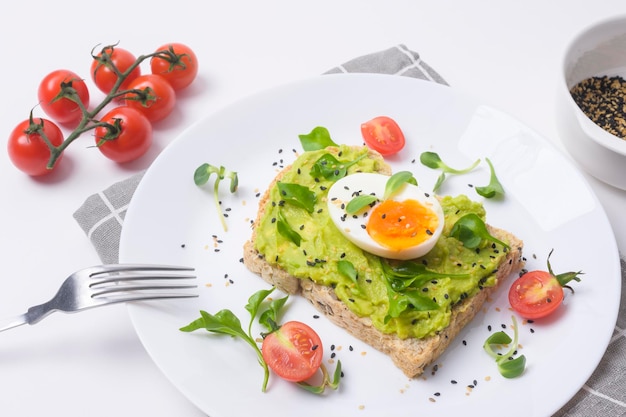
(304, 241)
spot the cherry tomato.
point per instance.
(294, 351)
(58, 93)
(103, 64)
(179, 66)
(27, 149)
(537, 294)
(128, 137)
(156, 100)
(383, 135)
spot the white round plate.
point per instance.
(547, 203)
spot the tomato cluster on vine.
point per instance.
(133, 102)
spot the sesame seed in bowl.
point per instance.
(591, 100)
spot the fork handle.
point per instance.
(12, 322)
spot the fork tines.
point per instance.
(141, 282)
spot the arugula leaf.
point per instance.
(298, 195)
(412, 274)
(471, 230)
(227, 323)
(319, 138)
(269, 317)
(254, 302)
(494, 188)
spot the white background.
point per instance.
(507, 53)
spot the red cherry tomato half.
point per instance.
(156, 99)
(383, 135)
(103, 67)
(178, 65)
(294, 351)
(58, 94)
(28, 151)
(129, 137)
(535, 294)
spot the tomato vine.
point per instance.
(118, 93)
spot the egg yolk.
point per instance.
(401, 224)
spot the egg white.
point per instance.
(353, 226)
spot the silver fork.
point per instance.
(109, 284)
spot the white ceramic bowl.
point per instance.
(598, 50)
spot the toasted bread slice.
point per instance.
(411, 355)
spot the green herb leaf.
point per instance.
(494, 188)
(471, 230)
(201, 176)
(359, 202)
(433, 160)
(227, 323)
(254, 302)
(319, 138)
(330, 168)
(498, 338)
(508, 366)
(269, 317)
(512, 368)
(412, 274)
(396, 181)
(286, 231)
(347, 269)
(326, 381)
(298, 195)
(393, 185)
(440, 180)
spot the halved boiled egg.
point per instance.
(404, 226)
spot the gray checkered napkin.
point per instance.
(101, 217)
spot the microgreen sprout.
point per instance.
(433, 160)
(508, 365)
(203, 173)
(326, 380)
(494, 188)
(471, 230)
(393, 185)
(319, 138)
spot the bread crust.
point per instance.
(411, 355)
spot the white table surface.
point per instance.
(92, 363)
